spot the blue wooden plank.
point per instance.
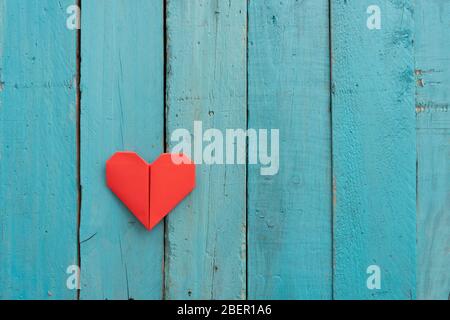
(205, 248)
(432, 45)
(290, 214)
(38, 153)
(122, 108)
(374, 159)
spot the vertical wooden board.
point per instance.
(122, 108)
(433, 148)
(38, 154)
(205, 246)
(373, 149)
(289, 214)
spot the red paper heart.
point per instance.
(150, 191)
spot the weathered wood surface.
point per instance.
(38, 150)
(122, 108)
(206, 81)
(373, 150)
(432, 49)
(345, 195)
(289, 214)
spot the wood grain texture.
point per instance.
(205, 235)
(122, 108)
(373, 149)
(289, 214)
(38, 189)
(433, 148)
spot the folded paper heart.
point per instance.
(150, 191)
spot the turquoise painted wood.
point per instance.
(290, 214)
(364, 148)
(122, 108)
(433, 148)
(205, 235)
(373, 150)
(38, 150)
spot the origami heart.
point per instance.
(150, 191)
